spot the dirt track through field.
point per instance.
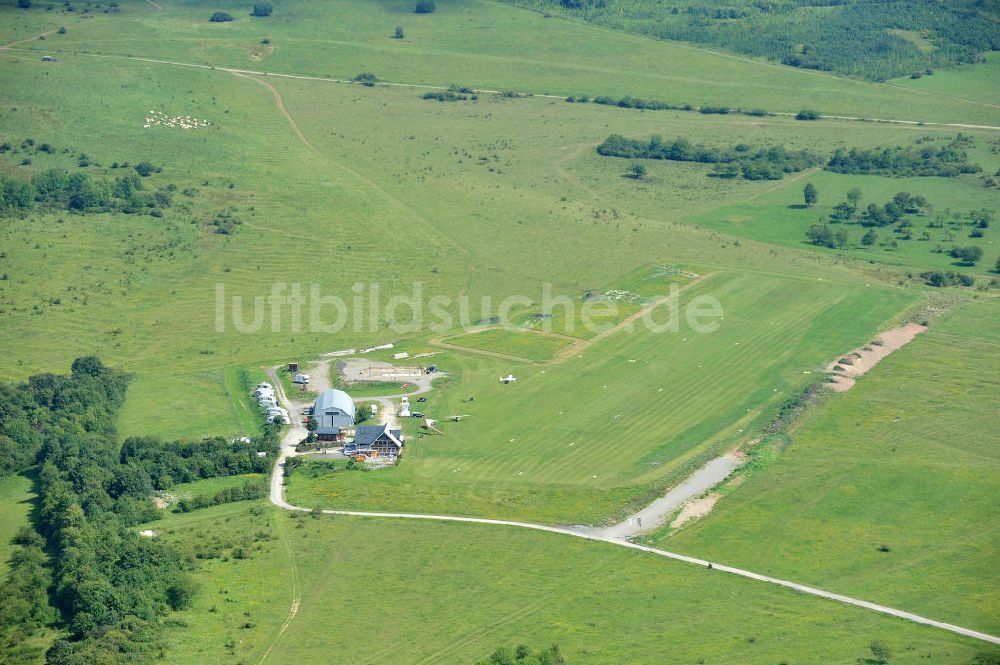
(279, 102)
(29, 39)
(293, 610)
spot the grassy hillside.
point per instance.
(454, 600)
(304, 186)
(977, 82)
(907, 460)
(483, 44)
(873, 40)
(780, 217)
(142, 291)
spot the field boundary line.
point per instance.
(487, 91)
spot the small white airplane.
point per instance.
(510, 378)
(460, 418)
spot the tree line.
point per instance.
(83, 567)
(629, 102)
(773, 162)
(770, 163)
(165, 463)
(949, 160)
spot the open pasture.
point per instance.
(979, 82)
(17, 499)
(488, 45)
(889, 492)
(780, 217)
(151, 285)
(461, 600)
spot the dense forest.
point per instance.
(83, 566)
(875, 39)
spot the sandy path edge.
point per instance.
(865, 358)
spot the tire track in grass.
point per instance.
(28, 39)
(368, 182)
(468, 638)
(293, 610)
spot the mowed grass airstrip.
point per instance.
(889, 491)
(579, 440)
(338, 184)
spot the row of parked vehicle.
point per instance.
(268, 403)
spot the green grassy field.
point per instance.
(576, 441)
(17, 496)
(780, 217)
(209, 486)
(906, 459)
(975, 82)
(457, 600)
(157, 317)
(347, 190)
(486, 44)
(527, 344)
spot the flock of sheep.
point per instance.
(183, 121)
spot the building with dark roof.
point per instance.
(376, 438)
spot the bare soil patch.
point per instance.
(695, 509)
(846, 369)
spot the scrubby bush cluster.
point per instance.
(946, 278)
(525, 655)
(261, 8)
(81, 192)
(948, 161)
(629, 102)
(737, 161)
(366, 78)
(255, 488)
(444, 96)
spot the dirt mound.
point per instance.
(846, 369)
